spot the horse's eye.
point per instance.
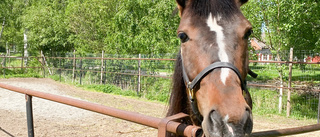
(248, 33)
(183, 37)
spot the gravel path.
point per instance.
(54, 119)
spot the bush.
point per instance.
(265, 101)
(111, 89)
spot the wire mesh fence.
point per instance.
(150, 76)
(302, 85)
(130, 72)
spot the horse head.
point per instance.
(214, 63)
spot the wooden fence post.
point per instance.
(80, 71)
(22, 58)
(319, 108)
(289, 83)
(105, 70)
(42, 63)
(45, 63)
(102, 66)
(4, 66)
(139, 75)
(8, 52)
(60, 69)
(74, 65)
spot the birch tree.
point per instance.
(4, 21)
(286, 24)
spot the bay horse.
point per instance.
(212, 64)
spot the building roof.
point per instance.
(258, 45)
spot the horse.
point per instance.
(211, 66)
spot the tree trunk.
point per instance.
(279, 68)
(25, 47)
(4, 21)
(289, 84)
(279, 59)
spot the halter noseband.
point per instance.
(192, 84)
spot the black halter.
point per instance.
(191, 85)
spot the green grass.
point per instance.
(303, 106)
(267, 73)
(18, 73)
(110, 89)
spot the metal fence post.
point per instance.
(29, 116)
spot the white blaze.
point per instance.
(213, 25)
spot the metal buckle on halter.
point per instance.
(191, 92)
(244, 93)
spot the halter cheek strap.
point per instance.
(192, 84)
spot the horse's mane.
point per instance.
(178, 100)
(223, 8)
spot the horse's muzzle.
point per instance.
(214, 125)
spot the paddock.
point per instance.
(154, 132)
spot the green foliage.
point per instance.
(18, 73)
(149, 26)
(158, 89)
(286, 23)
(111, 89)
(56, 77)
(266, 102)
(11, 10)
(301, 105)
(268, 73)
(143, 27)
(115, 26)
(47, 30)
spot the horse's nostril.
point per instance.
(215, 118)
(214, 115)
(248, 110)
(248, 124)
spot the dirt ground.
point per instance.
(55, 119)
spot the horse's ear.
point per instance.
(241, 2)
(181, 5)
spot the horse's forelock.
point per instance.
(223, 8)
